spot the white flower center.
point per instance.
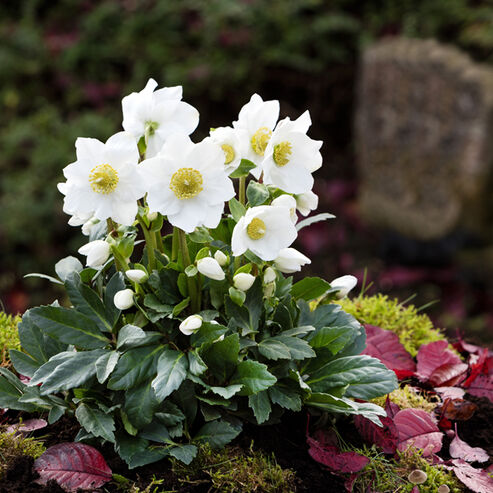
(256, 229)
(229, 153)
(103, 179)
(151, 127)
(186, 183)
(260, 140)
(281, 153)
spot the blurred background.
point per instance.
(65, 65)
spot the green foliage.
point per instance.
(389, 475)
(13, 446)
(9, 336)
(413, 328)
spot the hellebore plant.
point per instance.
(181, 341)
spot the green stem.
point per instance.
(159, 241)
(175, 244)
(191, 283)
(150, 244)
(242, 187)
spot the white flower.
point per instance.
(191, 324)
(243, 281)
(264, 230)
(136, 275)
(221, 258)
(255, 124)
(157, 115)
(88, 225)
(344, 284)
(185, 183)
(290, 260)
(269, 275)
(306, 202)
(289, 202)
(124, 299)
(105, 180)
(97, 253)
(227, 138)
(209, 267)
(291, 156)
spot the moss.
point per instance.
(407, 397)
(233, 470)
(9, 336)
(12, 446)
(414, 329)
(389, 475)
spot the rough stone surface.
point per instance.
(424, 131)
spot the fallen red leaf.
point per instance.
(476, 480)
(417, 429)
(482, 387)
(478, 364)
(385, 436)
(450, 392)
(391, 408)
(449, 374)
(461, 450)
(73, 466)
(458, 409)
(385, 346)
(432, 356)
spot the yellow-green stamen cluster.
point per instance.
(260, 140)
(186, 183)
(282, 151)
(229, 153)
(103, 179)
(256, 229)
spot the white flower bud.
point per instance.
(124, 299)
(136, 275)
(269, 289)
(306, 202)
(209, 267)
(344, 284)
(191, 324)
(88, 225)
(97, 253)
(221, 258)
(151, 216)
(243, 281)
(269, 275)
(289, 203)
(290, 260)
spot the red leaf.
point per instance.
(385, 346)
(432, 356)
(450, 392)
(416, 428)
(482, 387)
(73, 466)
(476, 480)
(27, 426)
(449, 374)
(478, 364)
(385, 436)
(334, 459)
(461, 450)
(391, 408)
(458, 409)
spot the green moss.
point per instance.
(233, 469)
(12, 446)
(388, 475)
(414, 329)
(406, 397)
(9, 336)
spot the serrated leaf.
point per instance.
(257, 193)
(332, 338)
(260, 405)
(227, 392)
(208, 332)
(96, 422)
(141, 404)
(172, 369)
(184, 453)
(298, 348)
(285, 398)
(274, 349)
(254, 376)
(309, 288)
(217, 434)
(200, 235)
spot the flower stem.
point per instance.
(175, 244)
(242, 186)
(191, 283)
(150, 244)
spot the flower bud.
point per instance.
(290, 260)
(151, 216)
(269, 275)
(209, 267)
(344, 284)
(136, 275)
(221, 258)
(269, 289)
(97, 253)
(191, 324)
(88, 225)
(124, 299)
(289, 203)
(417, 477)
(306, 202)
(243, 281)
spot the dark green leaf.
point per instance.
(208, 332)
(285, 397)
(196, 365)
(217, 434)
(164, 284)
(221, 357)
(237, 295)
(253, 376)
(151, 301)
(11, 389)
(274, 349)
(332, 338)
(141, 404)
(172, 369)
(177, 309)
(200, 235)
(184, 453)
(243, 169)
(115, 284)
(309, 288)
(156, 432)
(96, 422)
(237, 210)
(23, 363)
(298, 348)
(260, 404)
(257, 193)
(106, 364)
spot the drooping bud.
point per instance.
(209, 267)
(243, 281)
(222, 259)
(124, 299)
(290, 260)
(136, 275)
(97, 252)
(269, 275)
(191, 324)
(269, 289)
(306, 202)
(344, 284)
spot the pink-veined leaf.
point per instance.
(479, 364)
(432, 356)
(73, 466)
(27, 426)
(385, 436)
(417, 429)
(476, 480)
(385, 346)
(461, 450)
(391, 408)
(450, 392)
(482, 387)
(449, 374)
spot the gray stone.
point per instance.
(424, 133)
